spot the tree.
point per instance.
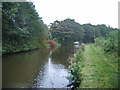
(22, 27)
(67, 31)
(89, 33)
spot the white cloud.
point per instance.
(83, 11)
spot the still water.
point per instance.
(43, 68)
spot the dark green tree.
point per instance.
(21, 26)
(67, 31)
(89, 31)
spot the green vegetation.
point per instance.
(109, 43)
(97, 65)
(99, 71)
(94, 65)
(77, 63)
(22, 28)
(68, 31)
(93, 68)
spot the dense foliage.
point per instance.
(92, 32)
(69, 31)
(110, 42)
(22, 28)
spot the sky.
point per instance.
(82, 11)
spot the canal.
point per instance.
(42, 68)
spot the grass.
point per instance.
(100, 70)
(95, 68)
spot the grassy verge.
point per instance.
(96, 68)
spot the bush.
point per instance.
(109, 43)
(76, 67)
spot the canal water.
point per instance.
(43, 68)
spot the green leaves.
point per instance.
(69, 30)
(22, 27)
(66, 30)
(109, 43)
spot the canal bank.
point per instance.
(93, 68)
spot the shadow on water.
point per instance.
(37, 69)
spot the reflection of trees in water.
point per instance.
(62, 54)
(52, 49)
(22, 68)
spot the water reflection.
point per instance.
(36, 69)
(20, 69)
(54, 76)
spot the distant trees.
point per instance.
(89, 33)
(68, 31)
(94, 31)
(22, 28)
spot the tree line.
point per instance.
(23, 29)
(69, 31)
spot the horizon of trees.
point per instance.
(23, 29)
(68, 30)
